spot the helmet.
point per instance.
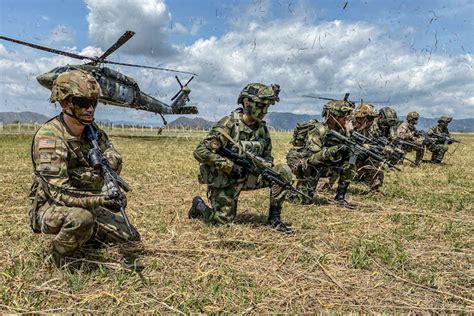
(260, 93)
(74, 83)
(337, 108)
(412, 117)
(388, 115)
(365, 110)
(445, 119)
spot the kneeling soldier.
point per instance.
(243, 130)
(68, 194)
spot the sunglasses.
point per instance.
(84, 103)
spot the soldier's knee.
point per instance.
(284, 171)
(224, 215)
(80, 218)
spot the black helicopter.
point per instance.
(118, 89)
(348, 102)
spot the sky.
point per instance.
(416, 55)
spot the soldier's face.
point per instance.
(82, 108)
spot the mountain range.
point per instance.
(277, 120)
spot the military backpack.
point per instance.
(300, 133)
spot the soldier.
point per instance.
(385, 124)
(243, 128)
(438, 146)
(313, 156)
(66, 194)
(407, 131)
(368, 170)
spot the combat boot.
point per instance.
(198, 209)
(274, 220)
(340, 197)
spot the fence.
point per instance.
(116, 129)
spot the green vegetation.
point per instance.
(409, 250)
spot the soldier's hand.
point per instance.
(238, 172)
(116, 204)
(334, 152)
(388, 151)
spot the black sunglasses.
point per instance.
(84, 103)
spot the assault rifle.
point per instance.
(380, 143)
(112, 181)
(258, 166)
(445, 139)
(359, 150)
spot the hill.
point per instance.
(197, 122)
(22, 117)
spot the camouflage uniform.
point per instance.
(406, 131)
(385, 124)
(368, 170)
(316, 157)
(437, 147)
(217, 172)
(66, 194)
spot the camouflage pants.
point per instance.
(74, 226)
(419, 152)
(307, 175)
(371, 173)
(224, 200)
(437, 152)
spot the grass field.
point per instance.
(410, 250)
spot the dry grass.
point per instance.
(411, 250)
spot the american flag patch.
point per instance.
(46, 143)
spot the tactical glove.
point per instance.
(334, 152)
(115, 204)
(238, 172)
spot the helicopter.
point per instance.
(116, 88)
(350, 103)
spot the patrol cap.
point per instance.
(74, 83)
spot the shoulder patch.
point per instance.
(46, 143)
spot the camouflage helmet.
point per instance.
(445, 119)
(337, 108)
(389, 115)
(260, 93)
(412, 116)
(74, 83)
(365, 110)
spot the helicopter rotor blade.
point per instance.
(122, 40)
(147, 67)
(316, 97)
(46, 49)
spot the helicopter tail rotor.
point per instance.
(179, 99)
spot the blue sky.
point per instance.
(420, 51)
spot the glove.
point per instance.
(116, 204)
(388, 151)
(334, 152)
(238, 172)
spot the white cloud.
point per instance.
(61, 34)
(328, 58)
(150, 19)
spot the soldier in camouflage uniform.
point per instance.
(66, 194)
(385, 124)
(407, 131)
(437, 146)
(369, 171)
(316, 157)
(246, 129)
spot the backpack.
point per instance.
(300, 133)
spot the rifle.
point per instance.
(258, 166)
(358, 150)
(445, 139)
(380, 143)
(112, 180)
